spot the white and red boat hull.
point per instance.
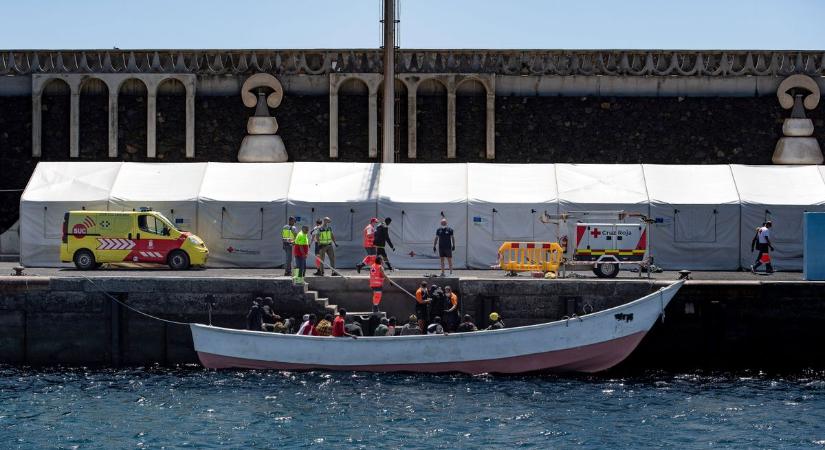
(592, 343)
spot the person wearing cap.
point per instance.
(762, 242)
(495, 322)
(369, 245)
(288, 233)
(325, 240)
(411, 327)
(382, 239)
(304, 325)
(445, 241)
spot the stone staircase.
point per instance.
(323, 302)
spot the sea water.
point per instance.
(194, 407)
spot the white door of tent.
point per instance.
(781, 194)
(417, 197)
(696, 214)
(344, 192)
(169, 188)
(241, 209)
(54, 189)
(504, 203)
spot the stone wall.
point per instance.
(668, 130)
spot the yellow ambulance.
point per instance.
(91, 238)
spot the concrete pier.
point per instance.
(754, 323)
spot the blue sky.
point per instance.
(520, 24)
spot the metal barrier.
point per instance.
(530, 256)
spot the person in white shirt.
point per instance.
(304, 325)
(762, 242)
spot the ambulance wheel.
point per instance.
(84, 260)
(178, 260)
(606, 270)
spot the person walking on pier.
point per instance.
(325, 240)
(382, 239)
(377, 277)
(369, 245)
(288, 233)
(445, 241)
(301, 250)
(762, 242)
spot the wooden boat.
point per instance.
(590, 343)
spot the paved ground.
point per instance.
(6, 268)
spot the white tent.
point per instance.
(54, 189)
(601, 187)
(344, 192)
(241, 209)
(504, 204)
(416, 197)
(169, 188)
(696, 209)
(780, 194)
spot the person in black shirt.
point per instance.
(445, 241)
(255, 317)
(382, 239)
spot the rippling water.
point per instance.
(193, 407)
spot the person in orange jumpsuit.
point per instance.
(377, 277)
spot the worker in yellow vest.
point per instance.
(288, 233)
(326, 240)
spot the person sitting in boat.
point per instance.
(324, 327)
(310, 328)
(422, 304)
(304, 324)
(255, 316)
(339, 325)
(467, 325)
(435, 327)
(391, 328)
(496, 322)
(279, 326)
(377, 277)
(354, 328)
(383, 328)
(411, 328)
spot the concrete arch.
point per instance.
(170, 115)
(93, 112)
(57, 116)
(372, 81)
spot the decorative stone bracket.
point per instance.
(262, 144)
(798, 146)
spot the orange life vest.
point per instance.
(376, 276)
(369, 236)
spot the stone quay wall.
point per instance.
(708, 325)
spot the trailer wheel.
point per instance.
(84, 260)
(606, 270)
(178, 260)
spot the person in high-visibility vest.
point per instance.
(288, 233)
(301, 250)
(369, 245)
(377, 277)
(325, 239)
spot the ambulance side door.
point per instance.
(151, 245)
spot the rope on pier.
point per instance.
(174, 322)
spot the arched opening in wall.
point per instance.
(171, 121)
(470, 121)
(353, 120)
(400, 120)
(94, 119)
(55, 110)
(431, 125)
(131, 120)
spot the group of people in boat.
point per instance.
(261, 317)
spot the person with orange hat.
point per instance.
(377, 277)
(369, 245)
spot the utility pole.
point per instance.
(389, 81)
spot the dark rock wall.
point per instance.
(712, 130)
